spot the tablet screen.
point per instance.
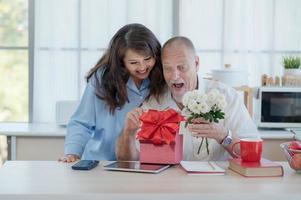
(135, 167)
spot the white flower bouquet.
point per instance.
(209, 107)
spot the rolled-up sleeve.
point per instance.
(238, 119)
(82, 123)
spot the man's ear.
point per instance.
(197, 63)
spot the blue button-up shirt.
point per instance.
(92, 131)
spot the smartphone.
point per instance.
(85, 164)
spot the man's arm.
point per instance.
(219, 132)
(239, 120)
(229, 148)
(125, 146)
(126, 143)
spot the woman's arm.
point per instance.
(81, 124)
(69, 158)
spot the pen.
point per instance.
(211, 165)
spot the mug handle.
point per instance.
(233, 151)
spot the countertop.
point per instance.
(28, 180)
(32, 129)
(47, 129)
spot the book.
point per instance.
(264, 168)
(202, 168)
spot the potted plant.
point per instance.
(292, 65)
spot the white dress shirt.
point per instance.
(237, 119)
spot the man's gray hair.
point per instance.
(179, 40)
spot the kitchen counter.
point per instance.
(25, 138)
(32, 129)
(48, 129)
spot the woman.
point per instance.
(129, 71)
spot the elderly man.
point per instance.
(180, 67)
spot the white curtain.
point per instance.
(251, 35)
(201, 21)
(70, 37)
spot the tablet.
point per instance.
(135, 166)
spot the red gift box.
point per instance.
(159, 137)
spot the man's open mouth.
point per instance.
(178, 85)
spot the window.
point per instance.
(251, 35)
(71, 37)
(14, 68)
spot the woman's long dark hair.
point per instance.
(111, 85)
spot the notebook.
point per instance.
(264, 168)
(202, 168)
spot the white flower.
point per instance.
(198, 103)
(186, 98)
(211, 99)
(215, 98)
(201, 98)
(203, 108)
(193, 106)
(207, 106)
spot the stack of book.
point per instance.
(264, 168)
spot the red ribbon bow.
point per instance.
(159, 126)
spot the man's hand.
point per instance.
(132, 122)
(69, 158)
(201, 128)
(125, 145)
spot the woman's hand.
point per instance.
(201, 128)
(132, 122)
(69, 158)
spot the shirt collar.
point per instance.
(201, 84)
(132, 86)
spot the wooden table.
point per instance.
(54, 180)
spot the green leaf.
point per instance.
(292, 62)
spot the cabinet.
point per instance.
(35, 147)
(28, 141)
(51, 148)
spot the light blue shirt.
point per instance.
(92, 131)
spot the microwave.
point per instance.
(280, 107)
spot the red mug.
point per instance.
(250, 149)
